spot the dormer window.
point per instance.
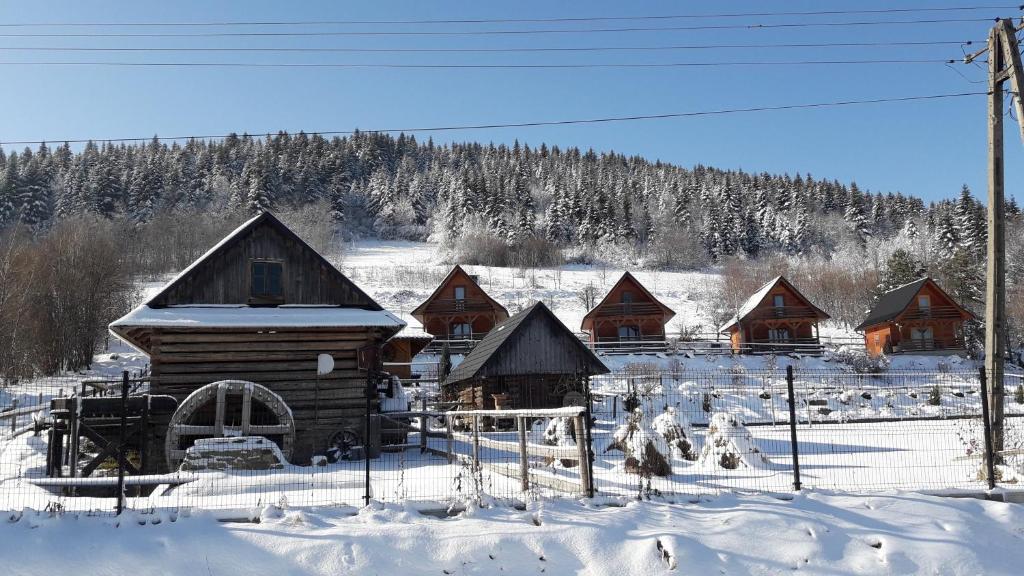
(266, 283)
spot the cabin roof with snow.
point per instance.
(760, 296)
(894, 302)
(533, 341)
(261, 275)
(608, 307)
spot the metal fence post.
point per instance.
(14, 418)
(476, 443)
(371, 388)
(122, 438)
(792, 427)
(986, 424)
(589, 439)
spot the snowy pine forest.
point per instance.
(154, 207)
(397, 187)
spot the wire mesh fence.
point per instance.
(68, 444)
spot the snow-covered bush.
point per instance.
(860, 361)
(675, 430)
(559, 432)
(645, 452)
(729, 444)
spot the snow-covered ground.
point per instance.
(816, 533)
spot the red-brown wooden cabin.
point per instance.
(628, 313)
(776, 318)
(403, 347)
(918, 317)
(459, 309)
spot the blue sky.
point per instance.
(923, 148)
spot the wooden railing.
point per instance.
(917, 345)
(781, 312)
(629, 309)
(936, 312)
(459, 306)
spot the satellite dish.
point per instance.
(324, 364)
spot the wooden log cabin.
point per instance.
(261, 306)
(918, 318)
(776, 318)
(459, 310)
(531, 360)
(628, 313)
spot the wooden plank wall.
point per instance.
(284, 361)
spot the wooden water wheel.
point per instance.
(229, 408)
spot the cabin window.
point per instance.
(461, 331)
(629, 332)
(923, 302)
(267, 281)
(778, 335)
(780, 301)
(460, 298)
(627, 297)
(924, 338)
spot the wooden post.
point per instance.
(14, 418)
(995, 288)
(524, 457)
(121, 440)
(476, 443)
(581, 448)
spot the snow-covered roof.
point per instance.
(750, 304)
(413, 329)
(241, 316)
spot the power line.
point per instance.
(486, 32)
(531, 124)
(475, 66)
(515, 20)
(881, 44)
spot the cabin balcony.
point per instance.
(629, 309)
(933, 313)
(765, 346)
(783, 313)
(458, 306)
(924, 346)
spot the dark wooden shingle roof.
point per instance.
(895, 301)
(540, 344)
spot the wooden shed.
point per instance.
(531, 360)
(919, 317)
(776, 318)
(261, 306)
(628, 313)
(459, 309)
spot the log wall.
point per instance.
(283, 360)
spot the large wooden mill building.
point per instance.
(261, 307)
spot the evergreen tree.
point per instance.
(9, 186)
(901, 268)
(34, 193)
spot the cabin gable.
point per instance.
(459, 308)
(263, 264)
(627, 312)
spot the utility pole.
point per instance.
(1004, 63)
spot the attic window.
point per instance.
(266, 282)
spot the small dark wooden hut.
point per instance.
(531, 360)
(260, 307)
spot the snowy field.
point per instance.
(818, 533)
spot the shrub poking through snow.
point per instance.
(676, 432)
(729, 444)
(559, 432)
(935, 396)
(1018, 396)
(645, 452)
